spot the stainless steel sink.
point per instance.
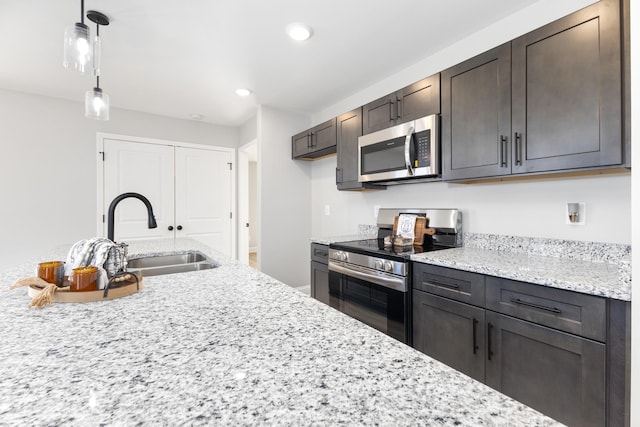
(170, 264)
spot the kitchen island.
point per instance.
(227, 346)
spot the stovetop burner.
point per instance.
(375, 247)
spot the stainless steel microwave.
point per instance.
(405, 151)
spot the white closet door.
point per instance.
(203, 197)
(142, 168)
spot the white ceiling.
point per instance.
(177, 58)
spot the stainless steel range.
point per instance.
(372, 283)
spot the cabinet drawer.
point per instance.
(579, 314)
(320, 253)
(447, 282)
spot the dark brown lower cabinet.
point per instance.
(559, 374)
(320, 281)
(320, 272)
(451, 332)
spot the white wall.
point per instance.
(253, 205)
(532, 208)
(248, 131)
(48, 167)
(284, 198)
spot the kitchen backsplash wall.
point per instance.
(533, 208)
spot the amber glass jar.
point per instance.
(51, 272)
(84, 279)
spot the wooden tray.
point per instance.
(64, 295)
(421, 228)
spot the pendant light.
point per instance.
(77, 47)
(96, 102)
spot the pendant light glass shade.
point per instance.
(77, 48)
(96, 104)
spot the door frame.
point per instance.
(243, 201)
(101, 136)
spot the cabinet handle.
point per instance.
(337, 180)
(398, 108)
(534, 305)
(170, 228)
(391, 116)
(518, 138)
(179, 227)
(489, 349)
(475, 338)
(453, 286)
(503, 151)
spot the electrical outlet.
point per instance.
(376, 208)
(327, 210)
(575, 213)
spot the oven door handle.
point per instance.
(363, 273)
(407, 151)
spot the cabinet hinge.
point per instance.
(102, 154)
(230, 166)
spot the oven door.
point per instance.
(383, 308)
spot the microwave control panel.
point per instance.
(422, 149)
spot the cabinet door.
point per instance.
(419, 99)
(559, 374)
(349, 129)
(323, 136)
(300, 144)
(140, 168)
(320, 281)
(451, 332)
(379, 114)
(203, 197)
(476, 116)
(567, 92)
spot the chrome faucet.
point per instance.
(112, 209)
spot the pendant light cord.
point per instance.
(98, 82)
(82, 12)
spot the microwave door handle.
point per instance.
(407, 151)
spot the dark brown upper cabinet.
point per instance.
(414, 101)
(567, 92)
(550, 100)
(476, 116)
(316, 142)
(349, 128)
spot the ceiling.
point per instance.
(179, 58)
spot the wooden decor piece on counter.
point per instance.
(421, 228)
(131, 286)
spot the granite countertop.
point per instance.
(594, 278)
(228, 346)
(594, 269)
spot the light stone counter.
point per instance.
(588, 267)
(228, 346)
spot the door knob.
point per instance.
(179, 227)
(170, 228)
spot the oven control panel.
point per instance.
(374, 263)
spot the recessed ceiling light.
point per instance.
(299, 31)
(243, 92)
(196, 116)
